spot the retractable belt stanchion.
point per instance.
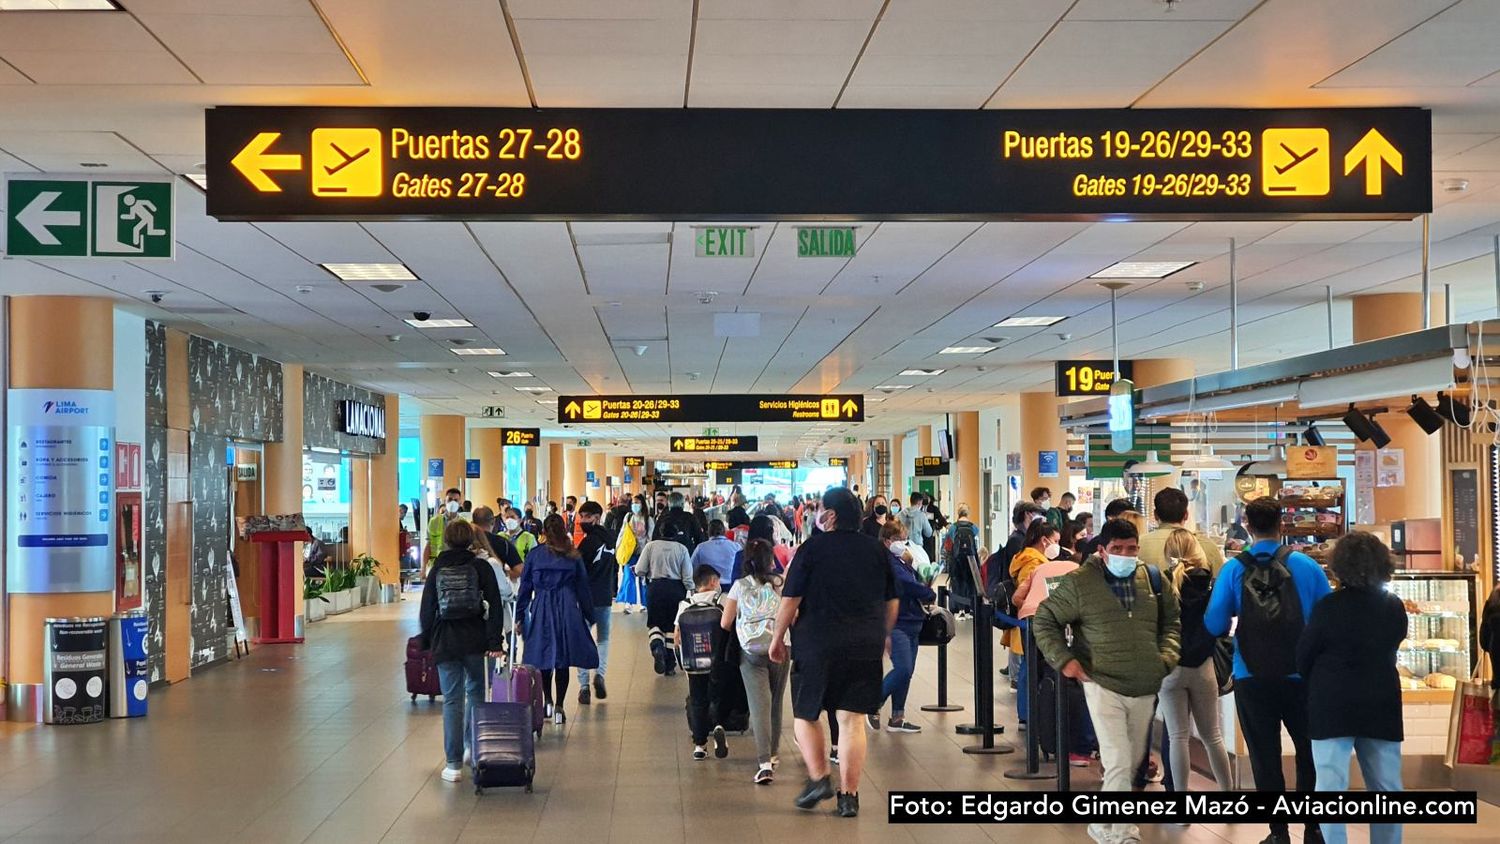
(1033, 770)
(1060, 753)
(984, 683)
(942, 704)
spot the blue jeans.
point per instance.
(1379, 762)
(1020, 662)
(463, 685)
(897, 681)
(601, 638)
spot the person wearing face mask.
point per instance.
(1062, 514)
(634, 534)
(1040, 545)
(1126, 638)
(877, 513)
(902, 645)
(453, 500)
(515, 531)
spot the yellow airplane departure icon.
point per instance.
(347, 162)
(592, 409)
(1294, 162)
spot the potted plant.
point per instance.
(366, 582)
(338, 585)
(314, 604)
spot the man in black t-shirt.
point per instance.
(840, 604)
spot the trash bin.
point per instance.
(73, 669)
(128, 674)
(390, 593)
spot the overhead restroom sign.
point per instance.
(273, 163)
(64, 216)
(711, 408)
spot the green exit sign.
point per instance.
(850, 440)
(65, 216)
(724, 242)
(825, 242)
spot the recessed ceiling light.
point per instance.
(59, 6)
(1029, 321)
(546, 402)
(517, 374)
(966, 350)
(1142, 269)
(439, 323)
(370, 272)
(477, 351)
(874, 398)
(894, 387)
(533, 389)
(922, 371)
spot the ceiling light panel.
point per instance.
(58, 6)
(923, 371)
(533, 389)
(516, 374)
(966, 350)
(893, 387)
(370, 271)
(439, 323)
(1142, 269)
(481, 351)
(1029, 321)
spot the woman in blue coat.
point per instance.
(555, 609)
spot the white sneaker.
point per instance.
(1102, 833)
(1129, 834)
(775, 762)
(453, 774)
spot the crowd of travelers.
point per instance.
(1139, 630)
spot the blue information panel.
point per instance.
(471, 468)
(60, 513)
(1046, 464)
(434, 467)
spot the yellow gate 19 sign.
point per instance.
(1088, 377)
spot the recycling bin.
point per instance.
(128, 674)
(74, 670)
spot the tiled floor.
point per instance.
(320, 743)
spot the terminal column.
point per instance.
(533, 458)
(898, 480)
(1040, 431)
(282, 482)
(556, 475)
(575, 476)
(596, 464)
(385, 498)
(1381, 315)
(966, 489)
(67, 343)
(443, 438)
(486, 445)
(615, 465)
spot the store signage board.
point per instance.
(60, 531)
(308, 163)
(712, 408)
(1311, 462)
(524, 437)
(361, 420)
(1089, 377)
(682, 445)
(724, 242)
(52, 215)
(932, 467)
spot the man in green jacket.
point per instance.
(1126, 639)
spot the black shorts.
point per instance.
(819, 684)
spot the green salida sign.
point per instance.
(825, 242)
(62, 216)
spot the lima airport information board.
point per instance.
(310, 163)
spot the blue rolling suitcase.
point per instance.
(504, 748)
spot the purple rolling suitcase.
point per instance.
(504, 747)
(421, 671)
(520, 684)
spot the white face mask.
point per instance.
(898, 547)
(512, 525)
(1052, 551)
(451, 507)
(1044, 503)
(1120, 566)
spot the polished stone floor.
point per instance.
(320, 743)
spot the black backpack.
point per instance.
(964, 545)
(677, 530)
(1271, 618)
(458, 594)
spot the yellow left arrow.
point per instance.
(254, 162)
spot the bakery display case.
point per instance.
(1439, 649)
(1312, 515)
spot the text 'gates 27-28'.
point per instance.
(711, 408)
(275, 163)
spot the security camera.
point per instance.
(421, 316)
(1065, 337)
(156, 296)
(1195, 286)
(393, 338)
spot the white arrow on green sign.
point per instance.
(64, 216)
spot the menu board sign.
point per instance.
(1312, 462)
(1464, 517)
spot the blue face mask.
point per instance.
(1120, 566)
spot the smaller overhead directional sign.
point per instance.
(64, 216)
(740, 465)
(714, 444)
(719, 465)
(526, 437)
(1089, 377)
(838, 461)
(712, 408)
(632, 461)
(931, 467)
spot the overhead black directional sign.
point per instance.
(931, 467)
(714, 444)
(291, 163)
(712, 408)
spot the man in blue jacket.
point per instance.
(1268, 693)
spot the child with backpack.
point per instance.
(462, 622)
(698, 634)
(750, 611)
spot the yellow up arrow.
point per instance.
(253, 161)
(571, 410)
(1371, 150)
(850, 408)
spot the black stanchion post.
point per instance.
(942, 704)
(984, 683)
(1064, 772)
(1033, 770)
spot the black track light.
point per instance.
(1366, 428)
(1312, 436)
(1457, 412)
(1426, 418)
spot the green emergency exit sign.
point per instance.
(64, 216)
(824, 242)
(724, 242)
